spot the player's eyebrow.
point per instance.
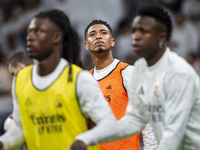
(96, 31)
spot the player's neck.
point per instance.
(48, 65)
(153, 60)
(102, 61)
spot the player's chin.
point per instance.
(103, 50)
(139, 53)
(32, 55)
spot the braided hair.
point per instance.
(70, 42)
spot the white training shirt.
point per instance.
(91, 100)
(167, 95)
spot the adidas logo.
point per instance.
(141, 91)
(59, 105)
(109, 87)
(28, 102)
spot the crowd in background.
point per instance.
(16, 14)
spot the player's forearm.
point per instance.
(106, 129)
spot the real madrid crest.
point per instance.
(156, 92)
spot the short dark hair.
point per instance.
(71, 42)
(98, 22)
(21, 57)
(160, 14)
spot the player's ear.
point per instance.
(86, 45)
(58, 36)
(163, 37)
(112, 42)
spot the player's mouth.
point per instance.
(29, 47)
(136, 47)
(99, 43)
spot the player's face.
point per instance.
(99, 39)
(145, 37)
(40, 38)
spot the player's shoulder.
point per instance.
(124, 65)
(84, 75)
(128, 69)
(26, 69)
(178, 65)
(23, 72)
